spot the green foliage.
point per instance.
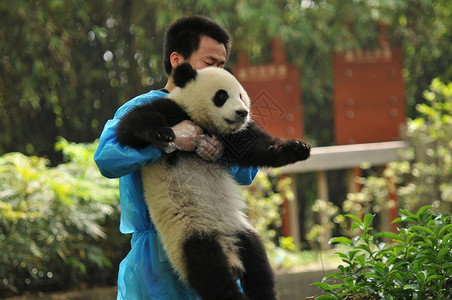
(326, 217)
(431, 173)
(416, 263)
(55, 220)
(68, 66)
(264, 198)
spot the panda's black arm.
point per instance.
(150, 123)
(255, 147)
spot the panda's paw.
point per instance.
(163, 135)
(301, 150)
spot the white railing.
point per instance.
(348, 157)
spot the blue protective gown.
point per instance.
(145, 273)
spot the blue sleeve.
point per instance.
(115, 160)
(243, 176)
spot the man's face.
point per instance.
(209, 53)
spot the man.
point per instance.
(146, 272)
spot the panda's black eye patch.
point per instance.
(220, 98)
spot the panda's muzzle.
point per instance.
(239, 118)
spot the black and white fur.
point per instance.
(195, 204)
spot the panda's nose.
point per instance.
(242, 113)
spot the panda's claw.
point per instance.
(163, 135)
(301, 149)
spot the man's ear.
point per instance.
(183, 74)
(175, 59)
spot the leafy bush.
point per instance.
(54, 222)
(265, 197)
(416, 264)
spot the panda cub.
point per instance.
(196, 205)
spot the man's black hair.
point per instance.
(184, 35)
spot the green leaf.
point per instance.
(333, 275)
(397, 220)
(367, 221)
(325, 297)
(422, 210)
(414, 287)
(356, 219)
(408, 215)
(324, 286)
(434, 278)
(351, 290)
(336, 286)
(443, 252)
(389, 235)
(421, 276)
(424, 229)
(364, 247)
(361, 260)
(447, 239)
(355, 226)
(444, 229)
(343, 240)
(352, 253)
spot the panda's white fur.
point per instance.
(195, 204)
(198, 197)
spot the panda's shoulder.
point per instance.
(165, 103)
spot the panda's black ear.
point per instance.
(183, 74)
(229, 70)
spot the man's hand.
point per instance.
(188, 135)
(209, 148)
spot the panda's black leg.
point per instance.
(208, 270)
(258, 281)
